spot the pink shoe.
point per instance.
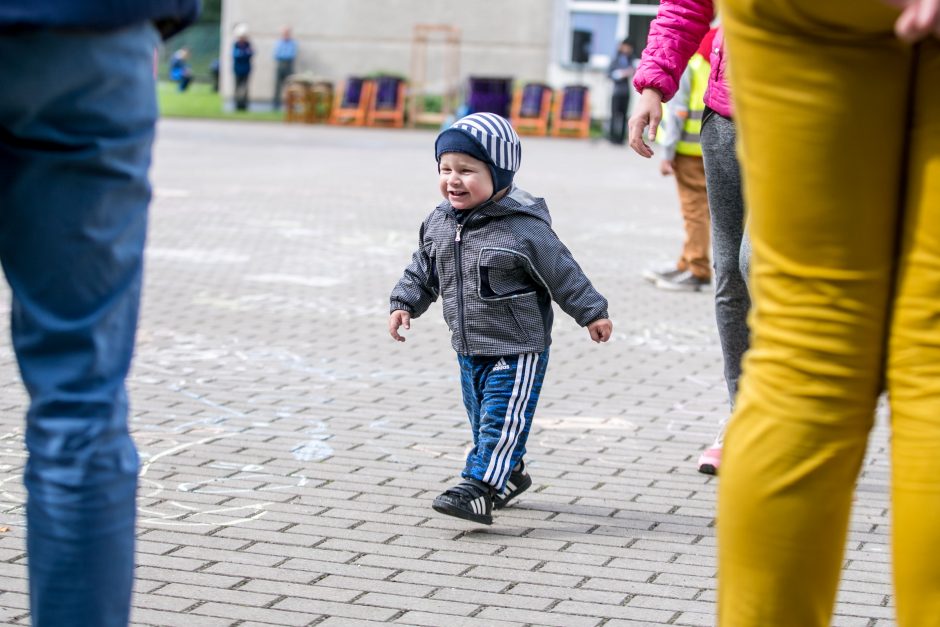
(709, 461)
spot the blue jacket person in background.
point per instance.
(241, 66)
(180, 71)
(285, 53)
(77, 115)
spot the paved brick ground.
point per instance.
(291, 449)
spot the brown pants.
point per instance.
(690, 178)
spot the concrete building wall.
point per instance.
(339, 38)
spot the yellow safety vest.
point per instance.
(690, 142)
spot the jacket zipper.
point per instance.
(459, 267)
(460, 321)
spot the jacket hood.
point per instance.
(516, 201)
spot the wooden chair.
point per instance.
(351, 104)
(531, 107)
(321, 101)
(571, 115)
(296, 102)
(307, 100)
(387, 102)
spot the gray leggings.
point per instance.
(731, 246)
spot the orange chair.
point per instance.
(531, 107)
(352, 102)
(571, 115)
(387, 102)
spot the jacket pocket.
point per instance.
(527, 315)
(503, 274)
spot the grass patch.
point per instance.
(199, 101)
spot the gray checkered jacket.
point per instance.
(498, 273)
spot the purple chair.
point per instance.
(387, 106)
(352, 103)
(353, 91)
(573, 101)
(531, 108)
(572, 113)
(492, 95)
(531, 105)
(386, 94)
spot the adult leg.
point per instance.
(744, 258)
(619, 104)
(693, 199)
(726, 204)
(77, 118)
(823, 211)
(241, 93)
(246, 96)
(280, 75)
(913, 363)
(510, 396)
(732, 299)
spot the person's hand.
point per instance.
(918, 19)
(601, 329)
(667, 167)
(648, 112)
(399, 318)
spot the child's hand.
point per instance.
(601, 330)
(399, 318)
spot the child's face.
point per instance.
(466, 182)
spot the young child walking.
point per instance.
(490, 252)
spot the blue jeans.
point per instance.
(500, 394)
(77, 115)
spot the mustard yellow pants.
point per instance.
(839, 127)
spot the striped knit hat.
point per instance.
(491, 140)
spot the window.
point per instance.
(609, 21)
(603, 29)
(639, 32)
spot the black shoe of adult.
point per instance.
(471, 500)
(519, 481)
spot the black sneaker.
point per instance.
(519, 481)
(470, 500)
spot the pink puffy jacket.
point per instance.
(674, 37)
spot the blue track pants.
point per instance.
(500, 394)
